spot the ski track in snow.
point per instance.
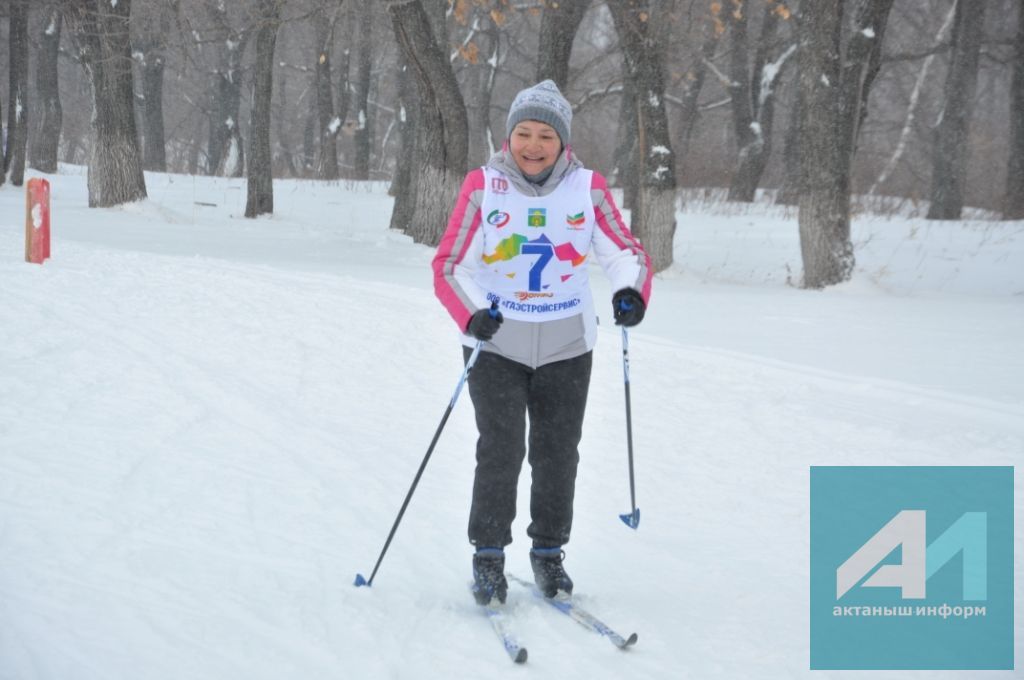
(197, 454)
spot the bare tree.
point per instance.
(481, 56)
(260, 184)
(792, 177)
(488, 73)
(149, 52)
(624, 172)
(824, 206)
(403, 183)
(558, 26)
(949, 161)
(46, 136)
(101, 32)
(311, 150)
(752, 89)
(693, 84)
(494, 46)
(344, 84)
(17, 111)
(1013, 205)
(653, 217)
(915, 96)
(225, 149)
(283, 157)
(364, 66)
(861, 61)
(328, 122)
(834, 88)
(442, 139)
(3, 175)
(860, 67)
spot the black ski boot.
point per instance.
(489, 576)
(548, 572)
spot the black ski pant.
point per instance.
(554, 396)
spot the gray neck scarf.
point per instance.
(541, 176)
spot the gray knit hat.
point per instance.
(542, 102)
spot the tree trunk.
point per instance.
(328, 124)
(3, 175)
(824, 202)
(403, 183)
(753, 99)
(46, 137)
(624, 170)
(17, 111)
(479, 81)
(154, 146)
(689, 111)
(226, 149)
(558, 27)
(260, 184)
(857, 74)
(748, 136)
(792, 180)
(115, 164)
(864, 60)
(915, 95)
(488, 78)
(311, 149)
(281, 153)
(653, 216)
(195, 146)
(149, 52)
(362, 136)
(344, 85)
(949, 159)
(1013, 207)
(442, 140)
(437, 15)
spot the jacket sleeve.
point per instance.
(460, 254)
(618, 252)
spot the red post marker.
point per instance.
(37, 220)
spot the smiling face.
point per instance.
(535, 146)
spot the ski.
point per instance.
(566, 605)
(496, 615)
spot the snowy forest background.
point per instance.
(910, 99)
(208, 422)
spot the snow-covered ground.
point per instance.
(208, 423)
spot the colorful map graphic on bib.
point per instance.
(517, 244)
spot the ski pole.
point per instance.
(631, 519)
(362, 581)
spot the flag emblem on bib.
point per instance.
(537, 217)
(575, 222)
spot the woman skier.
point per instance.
(521, 234)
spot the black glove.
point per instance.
(628, 307)
(484, 323)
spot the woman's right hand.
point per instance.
(484, 323)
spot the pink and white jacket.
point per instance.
(529, 247)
